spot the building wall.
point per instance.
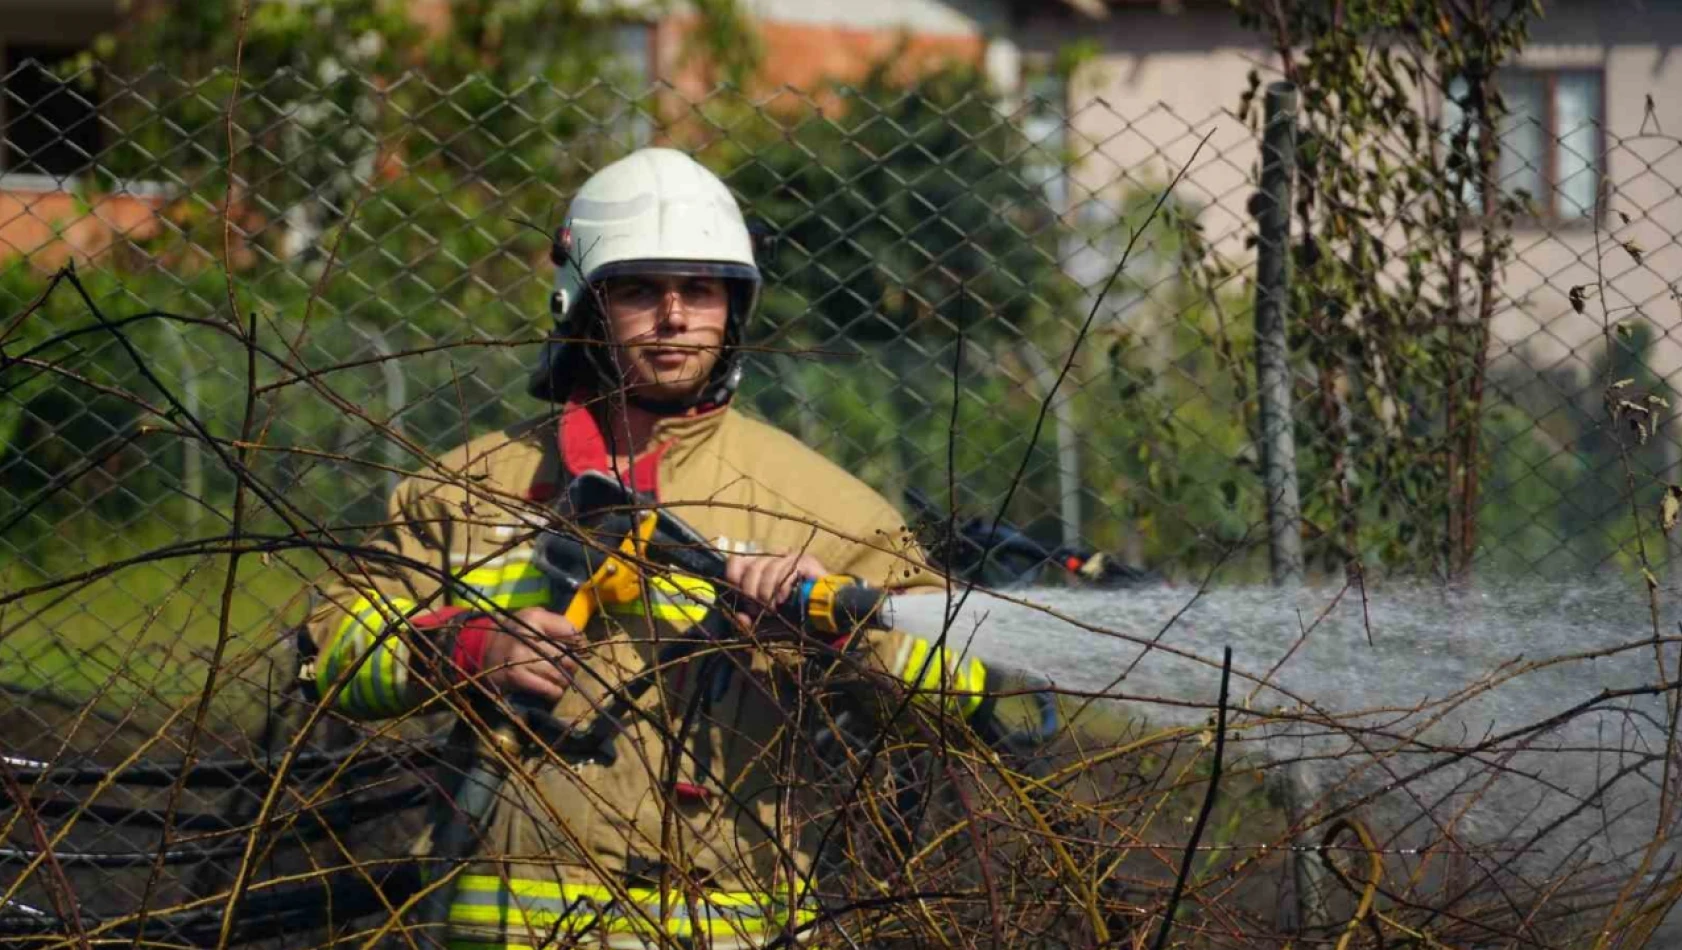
(1139, 109)
(937, 17)
(1164, 80)
(809, 43)
(49, 227)
(38, 220)
(55, 21)
(1641, 54)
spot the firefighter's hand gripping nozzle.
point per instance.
(644, 537)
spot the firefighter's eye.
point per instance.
(633, 293)
(703, 291)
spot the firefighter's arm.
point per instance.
(384, 630)
(939, 676)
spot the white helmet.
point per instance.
(655, 211)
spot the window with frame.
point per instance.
(1552, 139)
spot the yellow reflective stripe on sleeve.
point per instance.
(916, 664)
(931, 669)
(378, 686)
(510, 586)
(971, 683)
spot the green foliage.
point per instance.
(1404, 232)
(907, 214)
(1560, 495)
(905, 220)
(432, 140)
(410, 192)
(143, 636)
(910, 222)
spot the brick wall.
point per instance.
(49, 227)
(808, 56)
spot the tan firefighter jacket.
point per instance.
(709, 845)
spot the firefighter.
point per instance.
(695, 830)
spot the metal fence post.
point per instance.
(1068, 445)
(397, 401)
(192, 458)
(1273, 372)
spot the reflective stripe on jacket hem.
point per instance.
(577, 910)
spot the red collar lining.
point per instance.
(584, 449)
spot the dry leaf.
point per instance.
(1624, 217)
(1670, 507)
(1623, 383)
(1634, 249)
(1579, 297)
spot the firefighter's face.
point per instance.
(668, 331)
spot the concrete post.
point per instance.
(1273, 371)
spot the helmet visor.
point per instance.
(728, 270)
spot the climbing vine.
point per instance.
(1401, 232)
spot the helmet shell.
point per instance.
(655, 211)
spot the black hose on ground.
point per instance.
(336, 897)
(217, 773)
(310, 826)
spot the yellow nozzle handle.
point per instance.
(617, 581)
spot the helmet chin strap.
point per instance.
(717, 392)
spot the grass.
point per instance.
(143, 636)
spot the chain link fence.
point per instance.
(933, 268)
(947, 315)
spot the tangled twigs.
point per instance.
(1138, 823)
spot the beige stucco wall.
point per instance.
(1139, 110)
(1163, 81)
(1639, 52)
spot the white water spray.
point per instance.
(1412, 678)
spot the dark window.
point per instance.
(51, 124)
(1552, 141)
